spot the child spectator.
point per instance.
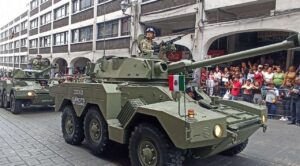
(210, 83)
(271, 99)
(247, 93)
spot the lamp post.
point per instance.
(135, 22)
(125, 5)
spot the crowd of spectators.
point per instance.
(256, 83)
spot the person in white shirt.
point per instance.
(268, 76)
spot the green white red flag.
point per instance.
(176, 83)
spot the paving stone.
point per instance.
(35, 138)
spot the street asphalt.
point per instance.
(34, 138)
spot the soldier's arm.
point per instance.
(144, 48)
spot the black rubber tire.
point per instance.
(15, 105)
(97, 147)
(6, 104)
(236, 149)
(1, 100)
(166, 152)
(77, 136)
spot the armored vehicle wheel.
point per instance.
(236, 149)
(95, 131)
(5, 101)
(72, 126)
(15, 105)
(148, 146)
(1, 100)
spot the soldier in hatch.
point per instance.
(148, 47)
(37, 62)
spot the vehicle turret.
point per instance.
(134, 69)
(43, 73)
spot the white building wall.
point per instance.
(287, 4)
(215, 4)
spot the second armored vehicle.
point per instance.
(26, 88)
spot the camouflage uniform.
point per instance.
(146, 47)
(37, 64)
(164, 50)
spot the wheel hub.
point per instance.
(69, 125)
(148, 153)
(95, 130)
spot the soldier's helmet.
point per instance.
(151, 30)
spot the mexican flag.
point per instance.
(176, 83)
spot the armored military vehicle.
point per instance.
(131, 103)
(27, 87)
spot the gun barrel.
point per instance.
(291, 42)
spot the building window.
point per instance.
(84, 4)
(17, 44)
(23, 25)
(79, 5)
(23, 42)
(61, 38)
(61, 12)
(108, 29)
(45, 41)
(6, 47)
(82, 35)
(34, 4)
(46, 18)
(102, 1)
(125, 26)
(6, 33)
(34, 24)
(17, 28)
(33, 43)
(43, 1)
(75, 6)
(16, 59)
(23, 59)
(11, 46)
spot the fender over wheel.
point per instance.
(95, 130)
(72, 126)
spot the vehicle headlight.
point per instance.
(263, 119)
(218, 131)
(30, 94)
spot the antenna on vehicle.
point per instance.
(104, 31)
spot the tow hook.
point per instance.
(264, 128)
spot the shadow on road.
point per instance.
(35, 110)
(119, 155)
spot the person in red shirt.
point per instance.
(258, 76)
(203, 76)
(236, 88)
